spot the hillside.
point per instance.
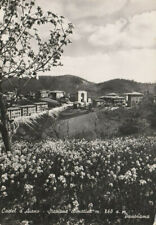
(70, 84)
(123, 86)
(97, 123)
(67, 83)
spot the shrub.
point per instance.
(80, 175)
(129, 127)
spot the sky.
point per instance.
(112, 39)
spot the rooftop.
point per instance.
(134, 93)
(56, 91)
(26, 106)
(111, 94)
(13, 108)
(111, 97)
(40, 103)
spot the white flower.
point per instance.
(12, 176)
(4, 194)
(62, 179)
(110, 184)
(4, 177)
(72, 185)
(54, 188)
(121, 177)
(152, 167)
(25, 222)
(142, 182)
(51, 175)
(3, 188)
(28, 187)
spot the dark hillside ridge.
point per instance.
(123, 86)
(71, 84)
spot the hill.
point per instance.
(67, 83)
(123, 86)
(70, 84)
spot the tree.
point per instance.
(24, 50)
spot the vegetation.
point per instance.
(66, 83)
(24, 51)
(98, 123)
(117, 174)
(70, 84)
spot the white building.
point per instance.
(56, 94)
(41, 106)
(133, 98)
(13, 112)
(43, 93)
(82, 97)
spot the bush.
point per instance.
(129, 127)
(80, 175)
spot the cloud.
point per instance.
(77, 9)
(51, 5)
(126, 64)
(108, 35)
(138, 31)
(97, 8)
(140, 6)
(112, 38)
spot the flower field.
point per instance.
(76, 175)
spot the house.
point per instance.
(31, 95)
(31, 109)
(133, 98)
(10, 95)
(42, 94)
(27, 110)
(13, 112)
(41, 106)
(98, 102)
(56, 94)
(24, 110)
(112, 99)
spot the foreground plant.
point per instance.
(74, 175)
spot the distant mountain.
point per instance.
(71, 84)
(123, 86)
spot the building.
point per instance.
(82, 97)
(89, 100)
(76, 105)
(27, 110)
(98, 102)
(41, 106)
(10, 96)
(24, 110)
(133, 98)
(13, 112)
(56, 94)
(31, 95)
(112, 94)
(31, 109)
(43, 94)
(112, 99)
